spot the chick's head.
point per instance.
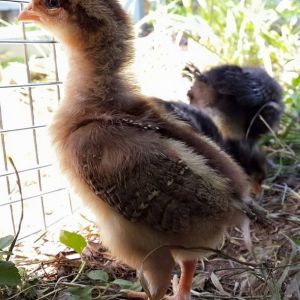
(78, 22)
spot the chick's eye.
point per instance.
(51, 4)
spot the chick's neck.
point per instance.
(96, 65)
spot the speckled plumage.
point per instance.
(171, 197)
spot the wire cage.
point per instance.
(30, 90)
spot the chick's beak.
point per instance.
(29, 14)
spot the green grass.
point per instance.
(5, 63)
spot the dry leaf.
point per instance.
(216, 282)
(199, 281)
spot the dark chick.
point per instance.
(197, 118)
(237, 98)
(150, 179)
(251, 159)
(247, 155)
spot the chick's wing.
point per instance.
(145, 181)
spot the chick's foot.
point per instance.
(134, 295)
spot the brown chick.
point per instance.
(149, 178)
(236, 98)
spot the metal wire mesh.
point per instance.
(23, 133)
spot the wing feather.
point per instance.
(152, 186)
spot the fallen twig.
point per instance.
(11, 248)
(282, 188)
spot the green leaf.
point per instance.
(98, 275)
(6, 241)
(296, 242)
(9, 274)
(80, 293)
(31, 291)
(72, 240)
(136, 286)
(128, 285)
(296, 81)
(273, 40)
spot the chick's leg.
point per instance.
(185, 283)
(155, 275)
